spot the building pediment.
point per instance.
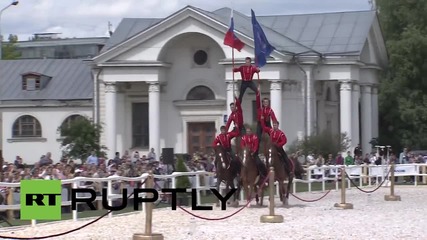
(147, 44)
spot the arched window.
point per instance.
(328, 94)
(26, 126)
(201, 93)
(70, 119)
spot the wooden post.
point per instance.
(343, 204)
(424, 171)
(271, 217)
(392, 197)
(148, 235)
(9, 201)
(365, 173)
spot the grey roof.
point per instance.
(325, 32)
(344, 32)
(71, 79)
(127, 28)
(63, 41)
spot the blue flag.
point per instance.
(263, 48)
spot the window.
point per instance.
(140, 125)
(200, 57)
(26, 126)
(201, 93)
(69, 120)
(31, 83)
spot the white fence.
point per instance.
(323, 174)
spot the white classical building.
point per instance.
(36, 97)
(168, 82)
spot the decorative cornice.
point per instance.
(134, 64)
(154, 87)
(345, 86)
(367, 89)
(275, 85)
(110, 87)
(230, 86)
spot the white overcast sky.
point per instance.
(89, 18)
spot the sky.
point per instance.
(89, 18)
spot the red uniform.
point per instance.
(251, 141)
(276, 136)
(225, 139)
(236, 117)
(247, 72)
(267, 112)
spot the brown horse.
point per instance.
(251, 180)
(227, 172)
(281, 175)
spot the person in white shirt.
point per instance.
(151, 156)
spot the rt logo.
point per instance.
(41, 199)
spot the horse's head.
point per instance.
(247, 156)
(273, 154)
(222, 156)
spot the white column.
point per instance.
(310, 102)
(230, 95)
(276, 99)
(366, 108)
(375, 120)
(120, 118)
(355, 117)
(154, 115)
(345, 108)
(110, 117)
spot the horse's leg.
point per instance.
(218, 184)
(291, 179)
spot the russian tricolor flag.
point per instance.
(230, 39)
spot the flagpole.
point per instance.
(232, 63)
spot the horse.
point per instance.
(250, 178)
(281, 175)
(227, 171)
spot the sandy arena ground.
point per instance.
(372, 218)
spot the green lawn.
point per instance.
(210, 198)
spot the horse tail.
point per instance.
(299, 170)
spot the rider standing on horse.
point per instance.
(236, 117)
(264, 110)
(251, 140)
(224, 139)
(278, 139)
(247, 72)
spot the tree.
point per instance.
(403, 89)
(9, 50)
(323, 143)
(81, 137)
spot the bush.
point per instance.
(182, 181)
(323, 143)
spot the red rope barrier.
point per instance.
(234, 213)
(312, 200)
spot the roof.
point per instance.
(321, 32)
(71, 79)
(325, 32)
(62, 41)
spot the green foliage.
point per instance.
(323, 143)
(80, 138)
(9, 50)
(183, 181)
(403, 89)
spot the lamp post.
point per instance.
(14, 3)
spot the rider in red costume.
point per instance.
(247, 72)
(236, 117)
(266, 111)
(251, 140)
(278, 139)
(224, 139)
